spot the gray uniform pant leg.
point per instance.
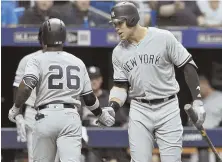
(160, 122)
(44, 148)
(140, 133)
(169, 132)
(69, 142)
(59, 129)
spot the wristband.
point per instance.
(97, 111)
(114, 105)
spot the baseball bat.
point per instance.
(192, 115)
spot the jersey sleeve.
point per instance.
(118, 73)
(177, 53)
(87, 88)
(20, 72)
(32, 69)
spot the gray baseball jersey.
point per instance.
(149, 66)
(61, 76)
(20, 73)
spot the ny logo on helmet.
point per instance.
(112, 14)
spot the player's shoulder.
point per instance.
(31, 55)
(37, 56)
(120, 47)
(73, 58)
(162, 33)
(116, 50)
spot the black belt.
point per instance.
(64, 106)
(156, 101)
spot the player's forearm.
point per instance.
(192, 81)
(22, 108)
(15, 90)
(117, 97)
(22, 95)
(92, 103)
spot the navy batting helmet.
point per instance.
(53, 32)
(125, 11)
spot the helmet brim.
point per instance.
(116, 21)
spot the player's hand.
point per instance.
(13, 112)
(21, 127)
(110, 111)
(200, 111)
(106, 119)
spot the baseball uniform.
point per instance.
(154, 112)
(61, 78)
(30, 112)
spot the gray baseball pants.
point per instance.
(61, 130)
(157, 122)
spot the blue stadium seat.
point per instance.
(11, 3)
(19, 11)
(8, 15)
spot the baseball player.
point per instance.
(59, 78)
(143, 64)
(24, 131)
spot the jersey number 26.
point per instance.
(60, 75)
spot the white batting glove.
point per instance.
(110, 111)
(200, 111)
(106, 119)
(13, 112)
(21, 127)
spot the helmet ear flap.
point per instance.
(131, 22)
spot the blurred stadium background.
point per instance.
(196, 24)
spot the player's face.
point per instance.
(96, 83)
(122, 30)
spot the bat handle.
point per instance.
(190, 112)
(193, 116)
